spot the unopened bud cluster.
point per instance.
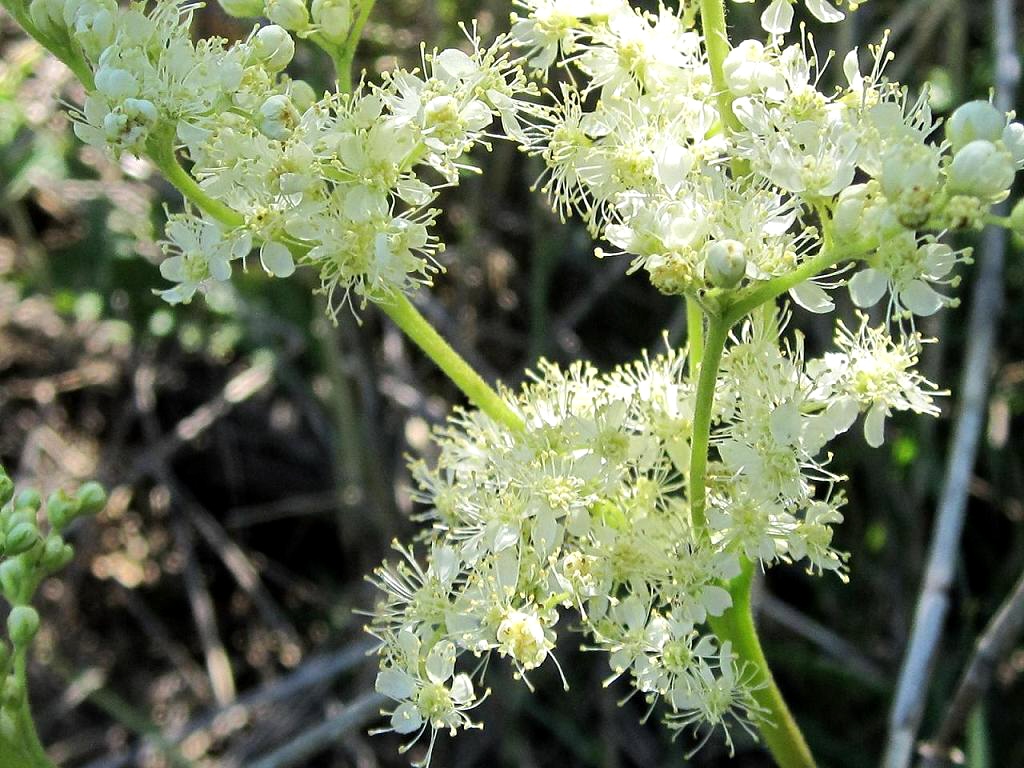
(30, 551)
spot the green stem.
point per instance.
(716, 43)
(422, 333)
(778, 727)
(30, 746)
(714, 345)
(343, 63)
(694, 333)
(161, 151)
(769, 290)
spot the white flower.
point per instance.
(877, 372)
(199, 252)
(522, 636)
(908, 270)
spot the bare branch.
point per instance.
(993, 644)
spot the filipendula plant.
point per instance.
(31, 550)
(641, 500)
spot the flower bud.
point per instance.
(981, 169)
(333, 17)
(28, 499)
(56, 553)
(274, 47)
(116, 83)
(91, 497)
(12, 577)
(95, 27)
(277, 117)
(22, 625)
(11, 690)
(302, 95)
(6, 487)
(973, 121)
(48, 16)
(909, 171)
(726, 263)
(242, 9)
(61, 509)
(21, 538)
(290, 14)
(1013, 140)
(848, 215)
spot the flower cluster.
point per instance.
(344, 183)
(723, 185)
(28, 555)
(586, 508)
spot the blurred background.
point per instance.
(255, 455)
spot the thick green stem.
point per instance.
(779, 729)
(479, 392)
(777, 726)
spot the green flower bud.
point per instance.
(21, 538)
(28, 499)
(56, 553)
(6, 487)
(48, 16)
(242, 9)
(981, 169)
(12, 577)
(973, 121)
(61, 509)
(333, 17)
(290, 14)
(22, 625)
(302, 94)
(91, 497)
(726, 263)
(274, 47)
(18, 516)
